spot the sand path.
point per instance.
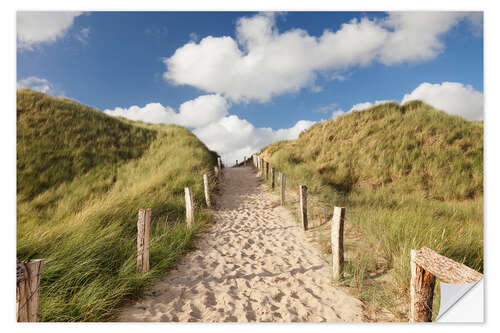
(253, 264)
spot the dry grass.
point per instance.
(409, 176)
(82, 217)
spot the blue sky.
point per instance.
(113, 60)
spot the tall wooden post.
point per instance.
(236, 163)
(219, 163)
(272, 178)
(426, 265)
(143, 227)
(207, 190)
(421, 291)
(28, 290)
(189, 206)
(303, 205)
(337, 240)
(283, 187)
(267, 170)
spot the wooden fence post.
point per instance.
(236, 163)
(216, 171)
(283, 187)
(267, 170)
(272, 178)
(219, 163)
(207, 190)
(426, 265)
(303, 205)
(28, 290)
(143, 227)
(244, 161)
(337, 240)
(421, 291)
(189, 206)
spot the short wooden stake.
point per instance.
(267, 170)
(189, 207)
(337, 240)
(272, 178)
(207, 190)
(283, 187)
(219, 163)
(28, 290)
(143, 227)
(421, 291)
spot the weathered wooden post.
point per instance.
(189, 206)
(28, 290)
(267, 170)
(236, 163)
(207, 190)
(216, 171)
(303, 205)
(244, 161)
(143, 227)
(421, 291)
(272, 178)
(283, 187)
(337, 240)
(426, 265)
(219, 163)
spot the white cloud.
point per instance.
(416, 35)
(263, 62)
(338, 113)
(39, 84)
(202, 111)
(451, 97)
(194, 113)
(232, 137)
(366, 105)
(34, 28)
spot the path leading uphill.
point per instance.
(253, 264)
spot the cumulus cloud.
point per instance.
(39, 84)
(366, 105)
(263, 62)
(208, 117)
(194, 113)
(451, 97)
(34, 28)
(235, 138)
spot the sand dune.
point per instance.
(253, 264)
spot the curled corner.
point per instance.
(462, 303)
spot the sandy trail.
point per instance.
(253, 264)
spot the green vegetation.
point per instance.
(82, 177)
(409, 176)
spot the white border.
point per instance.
(8, 123)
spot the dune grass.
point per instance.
(82, 177)
(409, 176)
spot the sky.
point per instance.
(241, 80)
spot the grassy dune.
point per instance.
(409, 176)
(82, 177)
